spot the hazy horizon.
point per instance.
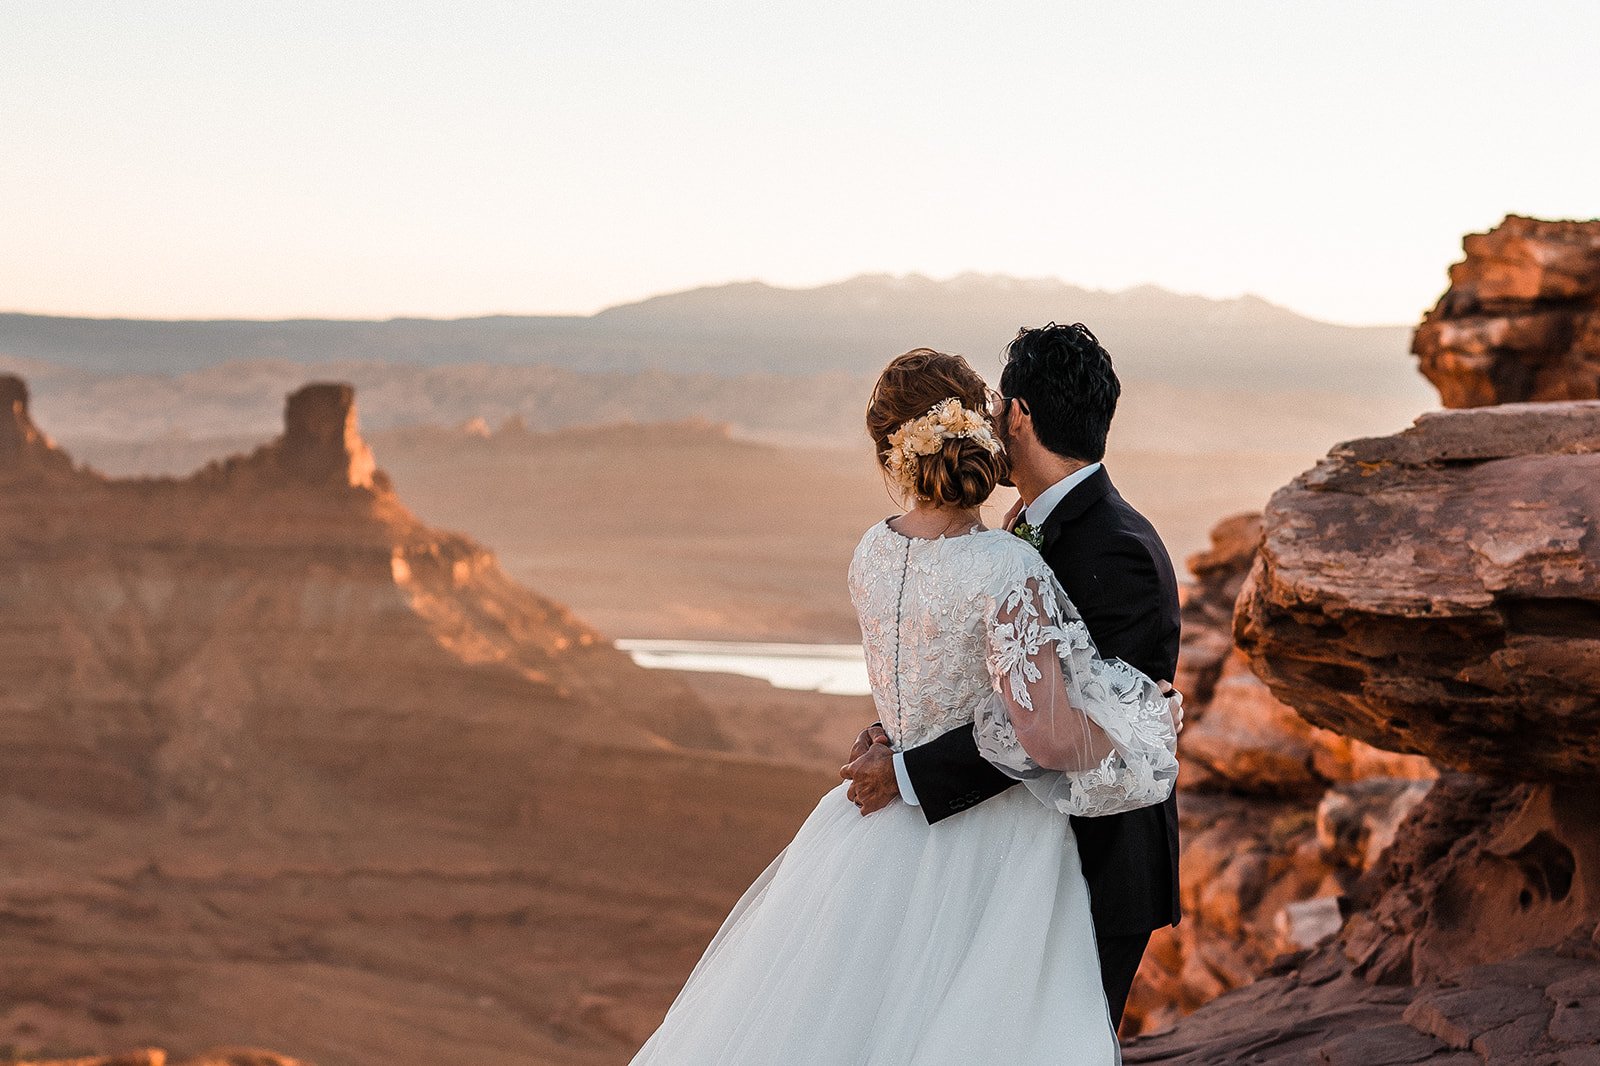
(910, 276)
(181, 160)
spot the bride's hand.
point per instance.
(1174, 706)
(873, 734)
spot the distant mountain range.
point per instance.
(853, 327)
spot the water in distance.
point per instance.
(832, 669)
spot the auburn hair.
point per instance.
(963, 473)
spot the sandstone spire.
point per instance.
(321, 441)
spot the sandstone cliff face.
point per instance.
(1278, 817)
(279, 763)
(1521, 319)
(1438, 591)
(1434, 593)
(1472, 943)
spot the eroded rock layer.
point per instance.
(1278, 817)
(1521, 319)
(1438, 592)
(281, 764)
(1474, 942)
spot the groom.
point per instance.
(1058, 393)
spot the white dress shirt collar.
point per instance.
(1039, 510)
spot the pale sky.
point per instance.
(360, 159)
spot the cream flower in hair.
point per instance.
(945, 420)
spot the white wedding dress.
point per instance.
(884, 941)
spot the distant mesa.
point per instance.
(232, 586)
(267, 738)
(1521, 319)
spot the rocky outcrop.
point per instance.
(1521, 319)
(1473, 942)
(281, 763)
(1278, 817)
(1434, 592)
(1238, 737)
(1438, 592)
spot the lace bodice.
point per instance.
(974, 630)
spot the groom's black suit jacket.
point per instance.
(1117, 572)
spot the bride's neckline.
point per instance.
(973, 532)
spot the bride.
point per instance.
(882, 940)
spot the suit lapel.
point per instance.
(1093, 489)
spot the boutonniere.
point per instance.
(1032, 534)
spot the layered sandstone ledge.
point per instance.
(1438, 592)
(1521, 319)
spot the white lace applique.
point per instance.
(976, 629)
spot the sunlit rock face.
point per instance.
(281, 764)
(1278, 817)
(1521, 319)
(1435, 592)
(1474, 941)
(1438, 592)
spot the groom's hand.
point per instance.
(871, 735)
(872, 782)
(1009, 522)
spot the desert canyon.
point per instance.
(287, 767)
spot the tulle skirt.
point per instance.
(884, 941)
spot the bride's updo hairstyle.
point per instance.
(963, 471)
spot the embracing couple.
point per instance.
(928, 912)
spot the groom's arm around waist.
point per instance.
(947, 775)
(1127, 595)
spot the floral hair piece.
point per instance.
(945, 420)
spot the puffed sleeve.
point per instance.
(1088, 736)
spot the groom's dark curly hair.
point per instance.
(1064, 375)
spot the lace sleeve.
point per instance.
(1088, 736)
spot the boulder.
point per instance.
(1438, 592)
(1521, 319)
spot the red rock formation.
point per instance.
(1438, 592)
(282, 763)
(1262, 865)
(1474, 942)
(1521, 319)
(1435, 592)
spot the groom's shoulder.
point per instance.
(1113, 526)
